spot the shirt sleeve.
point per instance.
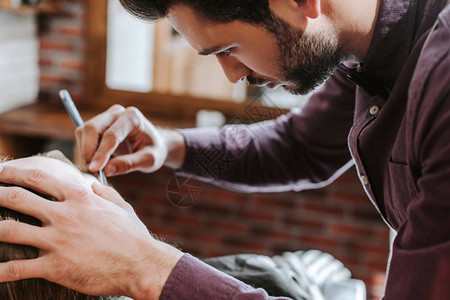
(301, 150)
(420, 264)
(193, 279)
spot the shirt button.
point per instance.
(374, 110)
(364, 180)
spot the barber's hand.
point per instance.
(122, 140)
(91, 241)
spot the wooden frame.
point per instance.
(157, 102)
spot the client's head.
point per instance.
(36, 288)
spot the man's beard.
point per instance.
(305, 60)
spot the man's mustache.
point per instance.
(257, 81)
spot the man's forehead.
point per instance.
(181, 15)
(198, 31)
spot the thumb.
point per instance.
(110, 194)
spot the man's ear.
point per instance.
(296, 12)
(311, 8)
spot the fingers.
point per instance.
(40, 181)
(88, 135)
(23, 269)
(127, 124)
(26, 202)
(111, 195)
(117, 127)
(143, 160)
(15, 232)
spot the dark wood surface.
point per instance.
(38, 120)
(43, 120)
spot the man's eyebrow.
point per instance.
(211, 50)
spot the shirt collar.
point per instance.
(392, 40)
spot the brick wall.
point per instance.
(61, 51)
(338, 219)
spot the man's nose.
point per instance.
(233, 68)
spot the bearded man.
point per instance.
(385, 108)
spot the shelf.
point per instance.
(46, 6)
(51, 121)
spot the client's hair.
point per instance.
(34, 288)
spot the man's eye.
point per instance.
(224, 53)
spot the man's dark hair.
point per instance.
(221, 11)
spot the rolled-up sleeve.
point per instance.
(192, 279)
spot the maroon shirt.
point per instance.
(390, 116)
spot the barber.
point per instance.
(388, 115)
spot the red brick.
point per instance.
(279, 236)
(352, 198)
(225, 197)
(72, 64)
(59, 46)
(373, 249)
(320, 208)
(186, 220)
(347, 259)
(318, 241)
(368, 214)
(384, 234)
(377, 266)
(72, 31)
(273, 203)
(258, 216)
(45, 62)
(213, 210)
(206, 238)
(244, 243)
(233, 227)
(346, 229)
(261, 230)
(301, 221)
